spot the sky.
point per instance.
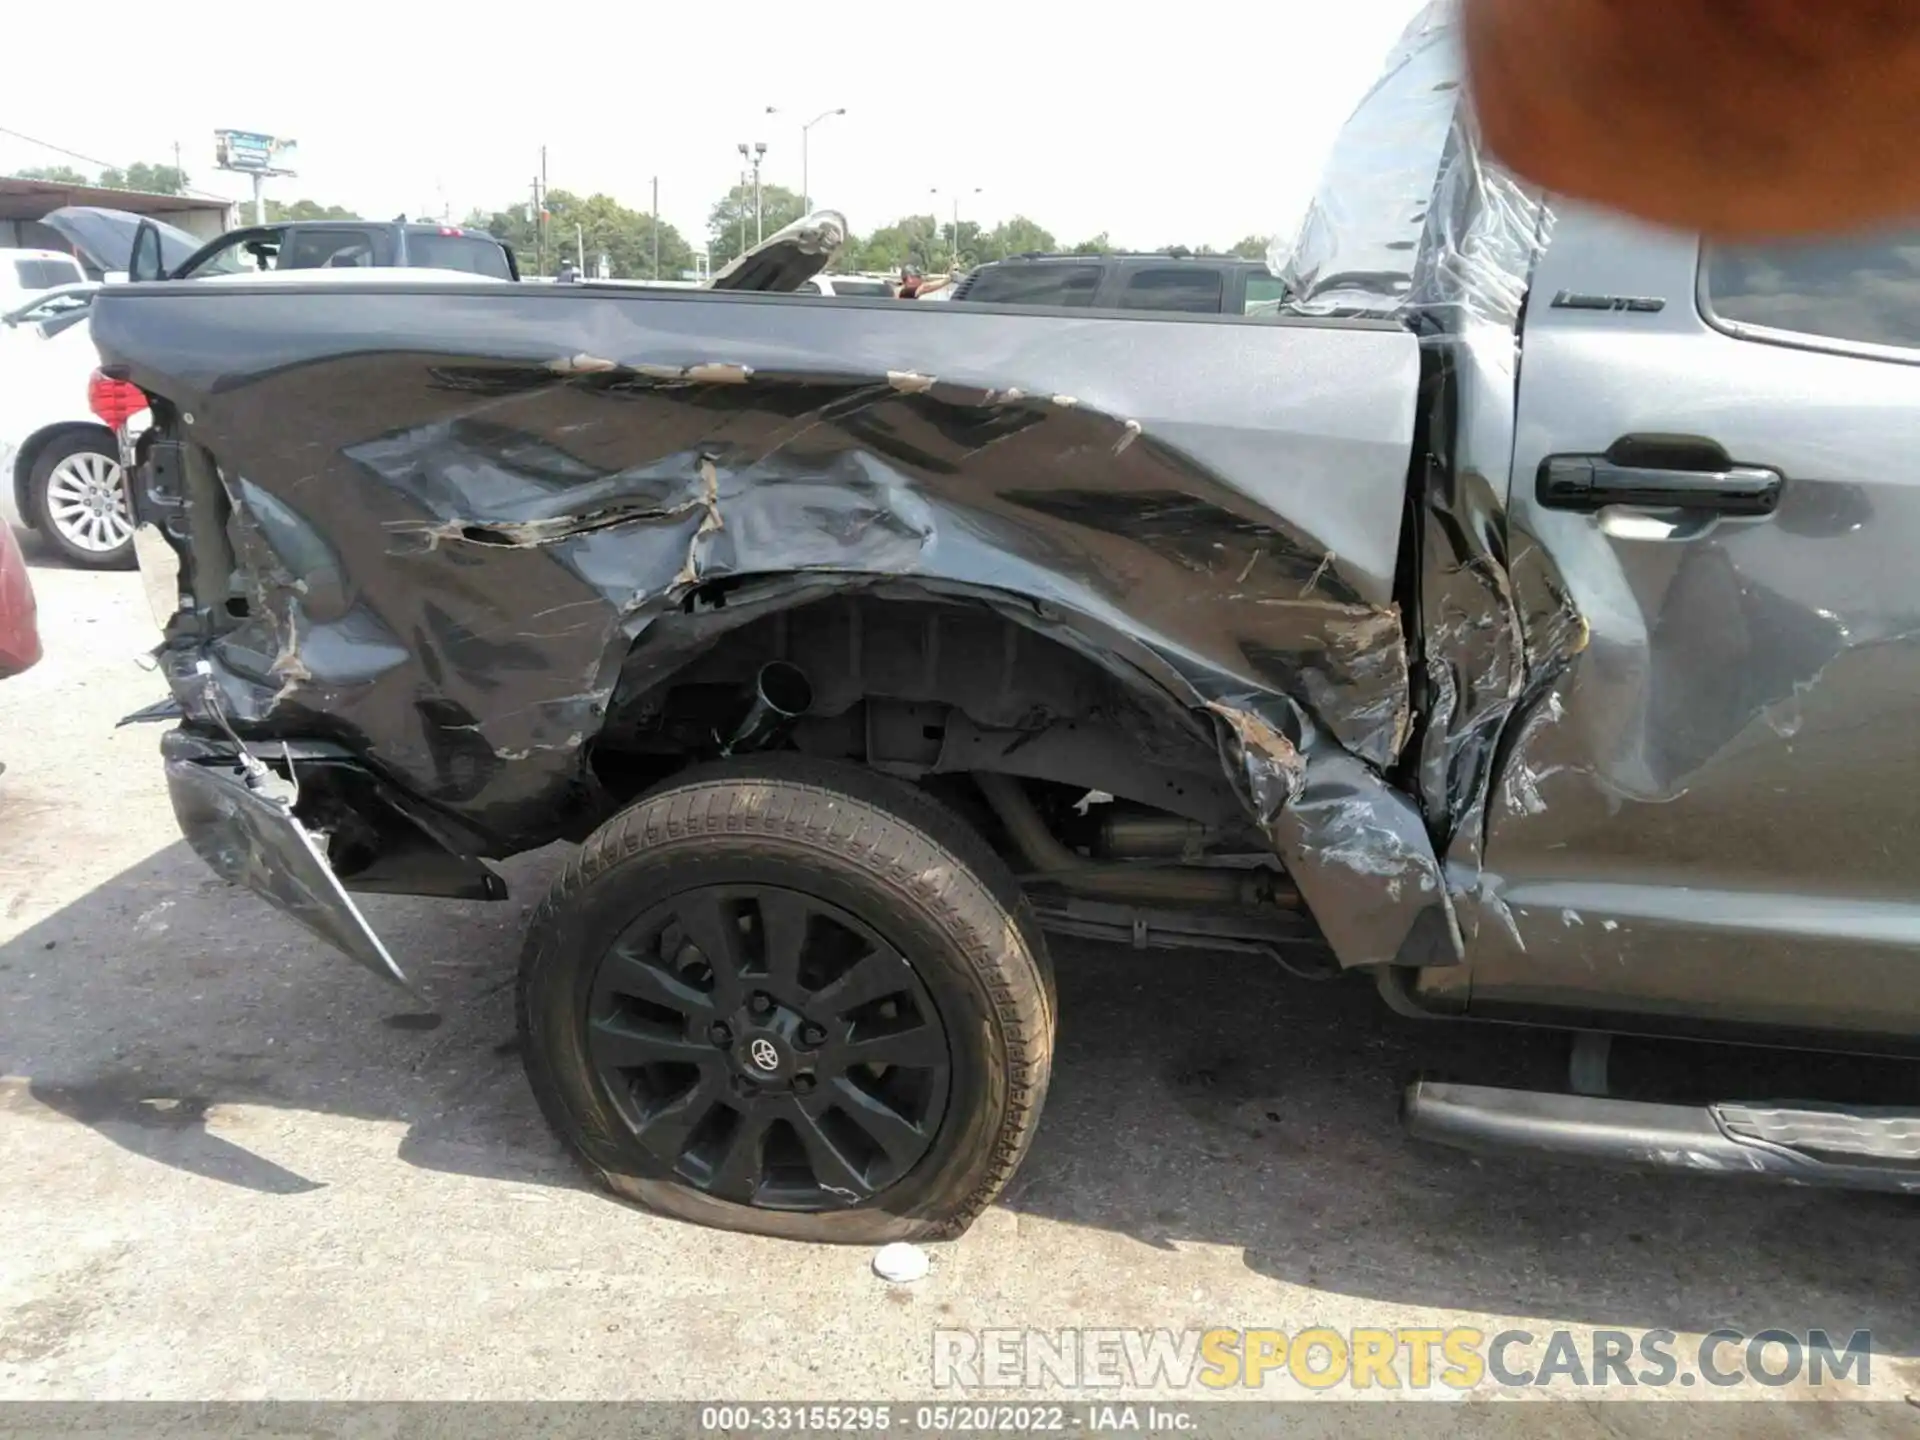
(1157, 124)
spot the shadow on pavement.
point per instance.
(163, 995)
(1262, 1112)
(1196, 1100)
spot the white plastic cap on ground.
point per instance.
(901, 1263)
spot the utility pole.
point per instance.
(537, 216)
(745, 152)
(656, 227)
(540, 216)
(580, 245)
(178, 172)
(759, 218)
(533, 219)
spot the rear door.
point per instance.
(1716, 810)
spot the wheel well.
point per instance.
(917, 687)
(31, 448)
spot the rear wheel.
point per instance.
(794, 998)
(79, 498)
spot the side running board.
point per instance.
(1806, 1145)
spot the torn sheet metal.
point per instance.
(1214, 515)
(1414, 220)
(249, 836)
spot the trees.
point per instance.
(154, 179)
(1098, 245)
(278, 211)
(1019, 236)
(910, 240)
(732, 217)
(600, 225)
(1254, 247)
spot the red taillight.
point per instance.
(114, 401)
(449, 229)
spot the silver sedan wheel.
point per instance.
(87, 502)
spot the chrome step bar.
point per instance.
(1799, 1144)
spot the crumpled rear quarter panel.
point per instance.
(457, 514)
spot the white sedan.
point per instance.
(59, 466)
(60, 469)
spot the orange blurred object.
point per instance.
(1745, 119)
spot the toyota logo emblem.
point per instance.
(762, 1053)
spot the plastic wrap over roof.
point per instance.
(1412, 219)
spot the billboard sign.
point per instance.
(253, 154)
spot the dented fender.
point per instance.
(458, 520)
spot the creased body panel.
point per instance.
(457, 517)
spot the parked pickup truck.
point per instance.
(1526, 620)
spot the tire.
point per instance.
(931, 912)
(66, 474)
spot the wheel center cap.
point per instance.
(763, 1056)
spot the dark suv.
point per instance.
(1190, 284)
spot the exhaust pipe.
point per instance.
(1132, 836)
(1055, 863)
(781, 695)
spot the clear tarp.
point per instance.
(1412, 219)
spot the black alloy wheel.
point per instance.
(768, 1048)
(791, 997)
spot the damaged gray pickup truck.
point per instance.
(1525, 617)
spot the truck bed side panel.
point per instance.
(457, 514)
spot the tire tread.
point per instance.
(899, 836)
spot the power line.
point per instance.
(108, 165)
(58, 149)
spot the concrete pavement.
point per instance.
(235, 1166)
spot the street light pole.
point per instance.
(806, 188)
(956, 194)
